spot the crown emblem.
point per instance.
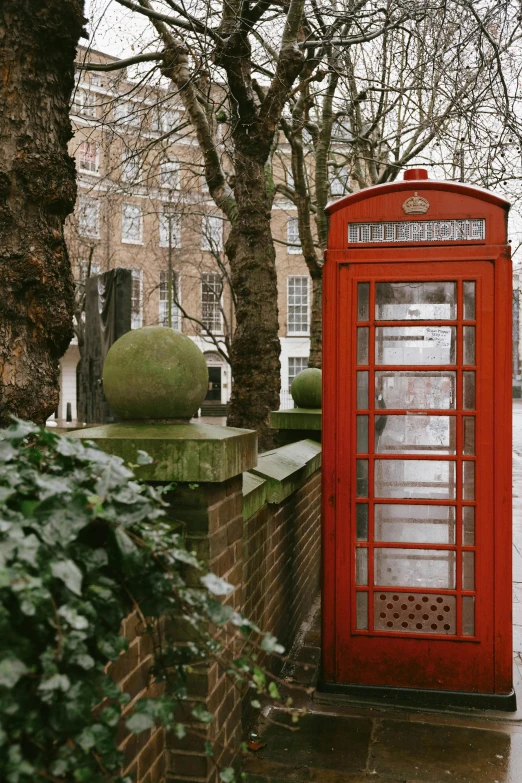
(416, 205)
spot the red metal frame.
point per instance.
(481, 663)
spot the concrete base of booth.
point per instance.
(413, 697)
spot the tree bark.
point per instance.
(255, 347)
(316, 326)
(38, 40)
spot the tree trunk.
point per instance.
(255, 345)
(38, 41)
(316, 327)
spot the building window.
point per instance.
(169, 229)
(130, 167)
(137, 299)
(169, 174)
(211, 233)
(164, 300)
(296, 364)
(298, 305)
(165, 119)
(127, 112)
(211, 302)
(89, 216)
(85, 272)
(339, 183)
(84, 103)
(131, 224)
(95, 80)
(292, 236)
(88, 157)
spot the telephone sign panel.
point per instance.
(417, 446)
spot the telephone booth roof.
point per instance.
(445, 201)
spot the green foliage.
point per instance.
(83, 545)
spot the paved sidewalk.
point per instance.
(341, 742)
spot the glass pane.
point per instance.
(420, 301)
(362, 434)
(363, 301)
(415, 345)
(469, 435)
(417, 390)
(361, 566)
(362, 478)
(362, 345)
(468, 396)
(469, 345)
(414, 524)
(361, 519)
(468, 570)
(468, 526)
(468, 615)
(468, 481)
(413, 478)
(415, 613)
(415, 568)
(361, 600)
(362, 390)
(415, 434)
(469, 301)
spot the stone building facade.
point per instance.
(143, 204)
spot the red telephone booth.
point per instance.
(417, 446)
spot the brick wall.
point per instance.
(145, 753)
(273, 559)
(281, 561)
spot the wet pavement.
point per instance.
(341, 741)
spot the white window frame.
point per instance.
(127, 111)
(169, 174)
(339, 181)
(137, 288)
(165, 118)
(83, 159)
(292, 322)
(213, 281)
(164, 300)
(211, 233)
(130, 167)
(292, 237)
(126, 208)
(301, 360)
(88, 205)
(84, 103)
(83, 267)
(174, 218)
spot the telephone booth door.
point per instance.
(415, 583)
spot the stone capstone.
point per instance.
(155, 373)
(306, 388)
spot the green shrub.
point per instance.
(82, 545)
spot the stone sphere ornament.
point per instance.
(155, 373)
(306, 388)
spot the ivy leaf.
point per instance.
(216, 585)
(11, 670)
(270, 645)
(209, 749)
(218, 613)
(70, 574)
(140, 722)
(143, 458)
(125, 543)
(227, 775)
(273, 691)
(201, 714)
(58, 682)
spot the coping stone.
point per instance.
(254, 494)
(287, 468)
(180, 452)
(297, 419)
